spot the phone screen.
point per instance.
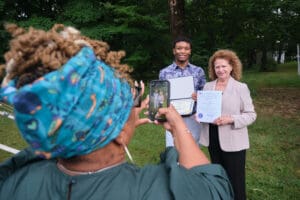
(159, 97)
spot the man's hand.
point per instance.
(194, 96)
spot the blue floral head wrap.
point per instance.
(72, 111)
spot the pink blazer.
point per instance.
(237, 102)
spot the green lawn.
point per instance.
(273, 161)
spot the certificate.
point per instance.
(181, 90)
(183, 106)
(208, 106)
(181, 87)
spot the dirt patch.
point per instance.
(278, 101)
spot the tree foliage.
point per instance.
(253, 28)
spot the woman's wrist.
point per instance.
(181, 130)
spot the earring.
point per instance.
(128, 153)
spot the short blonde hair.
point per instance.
(233, 60)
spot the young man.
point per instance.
(182, 48)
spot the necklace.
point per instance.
(71, 172)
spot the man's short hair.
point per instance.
(181, 39)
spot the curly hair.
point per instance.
(36, 52)
(233, 60)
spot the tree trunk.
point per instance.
(251, 58)
(263, 66)
(176, 17)
(279, 54)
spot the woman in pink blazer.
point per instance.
(227, 137)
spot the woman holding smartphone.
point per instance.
(77, 114)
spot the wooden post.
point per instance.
(176, 17)
(298, 59)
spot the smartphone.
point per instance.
(159, 97)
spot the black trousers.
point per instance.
(232, 162)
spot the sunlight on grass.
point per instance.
(271, 79)
(9, 135)
(272, 160)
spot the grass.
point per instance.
(272, 169)
(273, 162)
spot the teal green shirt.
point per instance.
(26, 177)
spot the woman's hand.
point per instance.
(144, 105)
(223, 120)
(189, 152)
(174, 120)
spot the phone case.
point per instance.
(159, 97)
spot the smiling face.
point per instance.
(222, 68)
(182, 52)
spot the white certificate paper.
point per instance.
(208, 105)
(181, 90)
(181, 87)
(183, 106)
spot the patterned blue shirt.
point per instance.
(173, 71)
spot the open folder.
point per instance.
(181, 90)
